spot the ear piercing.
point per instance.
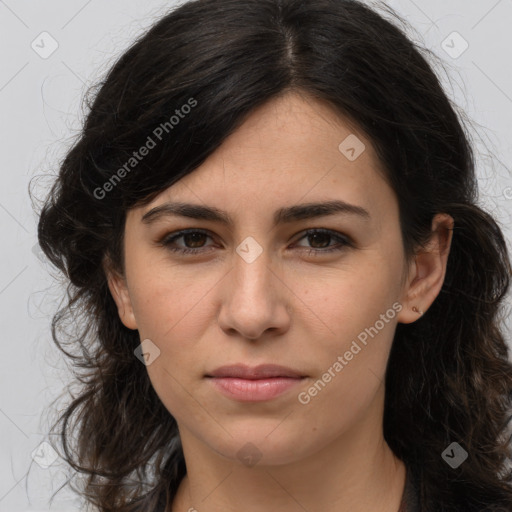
(416, 310)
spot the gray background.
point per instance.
(40, 102)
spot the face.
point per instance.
(319, 292)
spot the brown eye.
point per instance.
(193, 240)
(320, 238)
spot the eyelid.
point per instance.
(174, 235)
(341, 237)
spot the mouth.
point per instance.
(263, 371)
(254, 384)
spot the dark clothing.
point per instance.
(410, 499)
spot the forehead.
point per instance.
(292, 149)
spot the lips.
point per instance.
(263, 371)
(254, 384)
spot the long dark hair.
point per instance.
(187, 84)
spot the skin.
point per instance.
(285, 307)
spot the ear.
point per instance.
(427, 271)
(119, 291)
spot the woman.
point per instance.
(289, 299)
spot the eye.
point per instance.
(321, 237)
(193, 237)
(196, 238)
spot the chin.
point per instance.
(260, 443)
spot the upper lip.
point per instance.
(262, 371)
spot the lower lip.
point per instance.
(247, 390)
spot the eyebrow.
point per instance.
(283, 215)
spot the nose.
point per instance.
(255, 299)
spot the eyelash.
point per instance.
(343, 241)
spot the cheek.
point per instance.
(358, 308)
(173, 309)
(348, 300)
(167, 305)
(163, 293)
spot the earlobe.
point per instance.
(427, 271)
(120, 294)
